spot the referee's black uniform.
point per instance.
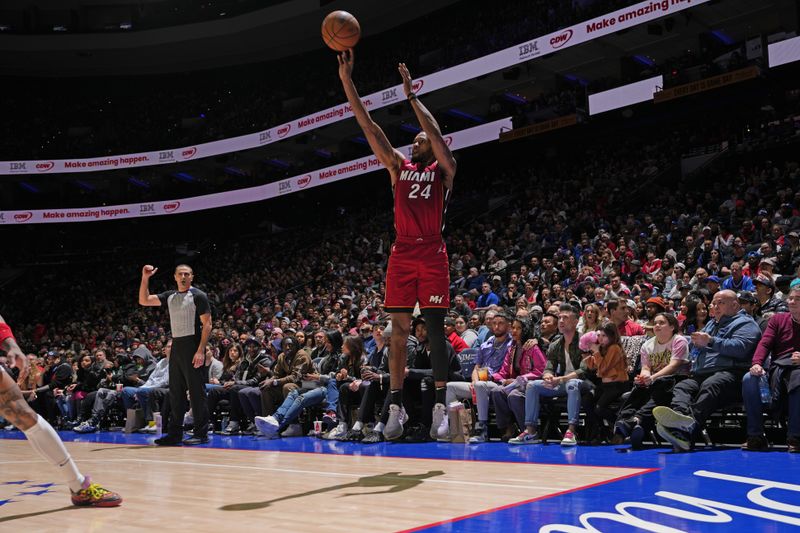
(185, 309)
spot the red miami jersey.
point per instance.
(420, 200)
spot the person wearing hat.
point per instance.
(749, 303)
(768, 302)
(712, 284)
(737, 281)
(652, 307)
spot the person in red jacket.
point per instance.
(459, 345)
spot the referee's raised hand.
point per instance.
(148, 271)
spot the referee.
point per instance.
(190, 321)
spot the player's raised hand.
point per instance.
(148, 271)
(346, 60)
(407, 81)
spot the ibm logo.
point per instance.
(18, 167)
(389, 95)
(530, 49)
(284, 186)
(436, 299)
(166, 156)
(264, 137)
(147, 209)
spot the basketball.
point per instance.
(340, 30)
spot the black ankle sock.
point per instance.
(441, 393)
(397, 397)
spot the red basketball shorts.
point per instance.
(417, 272)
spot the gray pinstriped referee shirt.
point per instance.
(185, 309)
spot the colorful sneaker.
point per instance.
(679, 439)
(232, 429)
(669, 418)
(337, 432)
(439, 422)
(93, 495)
(479, 434)
(569, 439)
(524, 438)
(85, 427)
(394, 427)
(267, 425)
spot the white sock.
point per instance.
(358, 426)
(46, 442)
(379, 427)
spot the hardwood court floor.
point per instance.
(213, 489)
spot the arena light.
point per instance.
(784, 52)
(624, 96)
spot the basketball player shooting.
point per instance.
(418, 270)
(40, 433)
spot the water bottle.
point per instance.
(763, 388)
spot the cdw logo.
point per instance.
(305, 180)
(44, 167)
(189, 153)
(23, 217)
(436, 299)
(283, 131)
(448, 140)
(417, 85)
(560, 40)
(171, 206)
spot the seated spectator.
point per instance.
(351, 386)
(158, 378)
(737, 281)
(247, 375)
(768, 302)
(455, 340)
(469, 335)
(563, 376)
(610, 364)
(488, 360)
(720, 354)
(665, 362)
(781, 342)
(287, 374)
(618, 314)
(487, 298)
(696, 316)
(523, 361)
(591, 320)
(325, 392)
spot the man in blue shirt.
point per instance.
(737, 281)
(487, 297)
(721, 353)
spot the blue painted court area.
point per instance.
(707, 490)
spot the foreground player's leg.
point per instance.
(434, 319)
(401, 324)
(46, 442)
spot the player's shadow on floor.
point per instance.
(395, 481)
(37, 513)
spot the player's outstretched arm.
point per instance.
(383, 150)
(9, 345)
(431, 128)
